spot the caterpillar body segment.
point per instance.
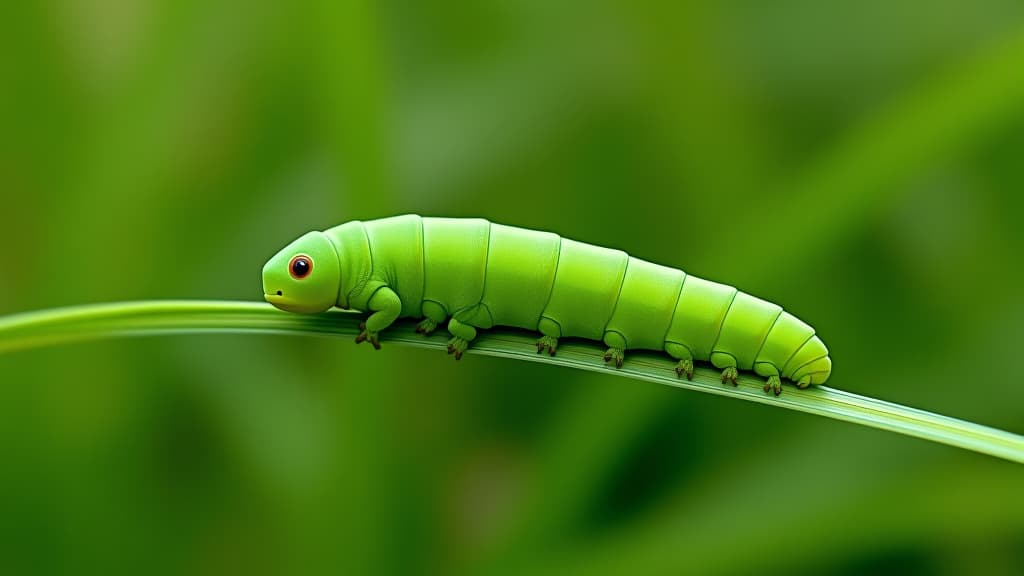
(472, 274)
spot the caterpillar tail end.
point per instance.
(815, 365)
(816, 372)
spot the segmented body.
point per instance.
(477, 275)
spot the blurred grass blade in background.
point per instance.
(75, 324)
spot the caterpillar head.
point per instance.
(304, 276)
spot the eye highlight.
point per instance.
(300, 266)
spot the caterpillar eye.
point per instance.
(300, 267)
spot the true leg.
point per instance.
(386, 307)
(616, 348)
(769, 371)
(685, 357)
(727, 363)
(551, 333)
(433, 314)
(462, 335)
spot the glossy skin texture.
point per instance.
(476, 274)
(318, 290)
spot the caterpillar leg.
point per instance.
(769, 371)
(803, 382)
(462, 335)
(728, 365)
(730, 374)
(548, 342)
(433, 314)
(685, 357)
(615, 354)
(426, 326)
(551, 332)
(386, 306)
(367, 336)
(616, 348)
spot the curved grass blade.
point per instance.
(83, 323)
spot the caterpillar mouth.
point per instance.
(291, 305)
(278, 299)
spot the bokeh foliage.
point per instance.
(856, 162)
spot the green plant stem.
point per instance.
(83, 323)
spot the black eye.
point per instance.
(300, 267)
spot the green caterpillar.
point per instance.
(476, 274)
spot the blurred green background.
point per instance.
(859, 163)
